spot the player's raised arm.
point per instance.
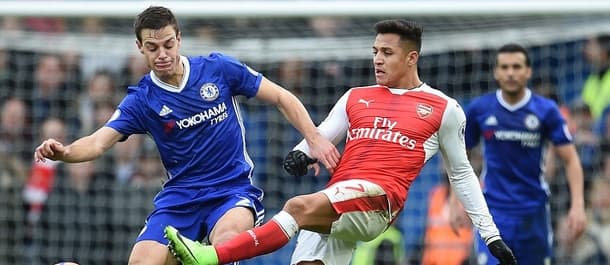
(292, 108)
(84, 149)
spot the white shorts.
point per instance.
(365, 214)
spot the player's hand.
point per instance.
(297, 163)
(325, 151)
(502, 252)
(577, 222)
(51, 149)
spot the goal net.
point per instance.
(64, 65)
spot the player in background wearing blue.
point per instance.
(188, 106)
(514, 125)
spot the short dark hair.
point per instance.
(407, 30)
(154, 17)
(514, 48)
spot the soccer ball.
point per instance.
(66, 263)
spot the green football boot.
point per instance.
(189, 252)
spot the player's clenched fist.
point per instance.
(296, 163)
(51, 149)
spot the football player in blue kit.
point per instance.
(188, 106)
(514, 125)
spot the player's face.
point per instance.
(392, 61)
(512, 72)
(160, 48)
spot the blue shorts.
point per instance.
(529, 236)
(194, 212)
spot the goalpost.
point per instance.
(318, 49)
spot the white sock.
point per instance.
(287, 223)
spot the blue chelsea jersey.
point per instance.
(514, 137)
(197, 126)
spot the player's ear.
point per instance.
(412, 58)
(496, 75)
(139, 45)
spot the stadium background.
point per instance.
(91, 212)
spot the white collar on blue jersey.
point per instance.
(172, 88)
(516, 106)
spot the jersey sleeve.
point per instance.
(472, 133)
(334, 127)
(127, 117)
(242, 79)
(461, 175)
(558, 128)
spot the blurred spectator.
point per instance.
(596, 90)
(45, 24)
(100, 89)
(72, 69)
(585, 140)
(15, 130)
(121, 162)
(126, 155)
(442, 245)
(149, 173)
(80, 176)
(604, 171)
(134, 68)
(42, 175)
(93, 26)
(11, 26)
(206, 33)
(593, 248)
(326, 82)
(76, 220)
(14, 145)
(91, 61)
(4, 74)
(13, 172)
(52, 96)
(326, 27)
(103, 110)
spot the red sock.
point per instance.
(255, 242)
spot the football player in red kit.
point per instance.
(392, 129)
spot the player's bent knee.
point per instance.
(296, 206)
(150, 252)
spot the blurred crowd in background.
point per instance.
(92, 212)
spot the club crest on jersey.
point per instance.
(424, 110)
(532, 122)
(209, 92)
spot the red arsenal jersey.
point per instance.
(391, 133)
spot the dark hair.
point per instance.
(407, 30)
(155, 17)
(515, 48)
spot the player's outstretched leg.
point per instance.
(190, 252)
